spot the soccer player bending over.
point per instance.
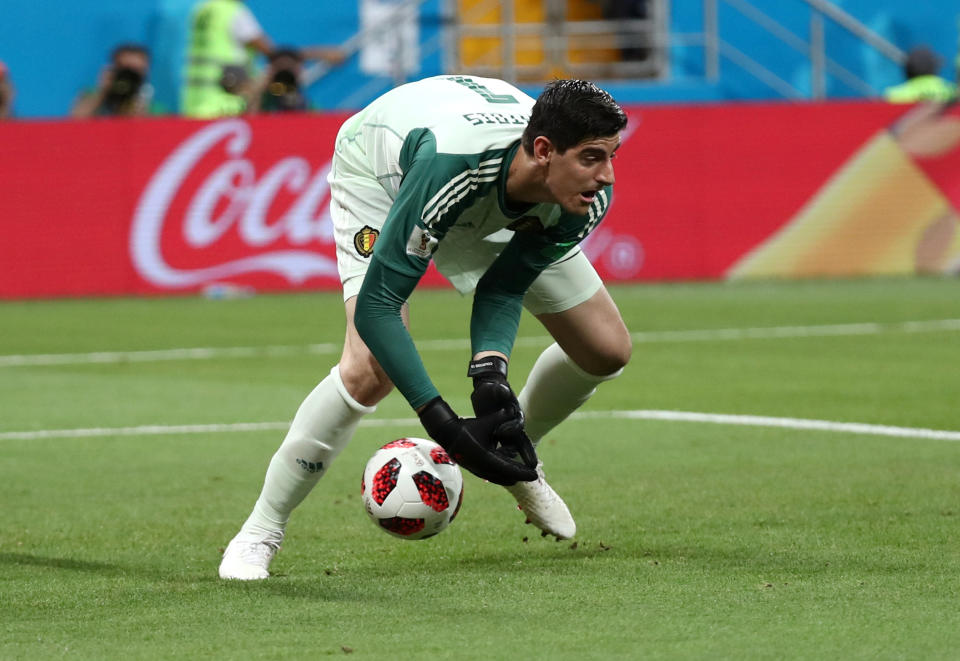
(498, 191)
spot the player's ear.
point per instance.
(542, 149)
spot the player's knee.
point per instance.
(610, 356)
(616, 356)
(623, 352)
(365, 380)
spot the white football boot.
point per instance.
(544, 507)
(247, 556)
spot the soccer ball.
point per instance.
(412, 488)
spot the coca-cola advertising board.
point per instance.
(148, 206)
(152, 206)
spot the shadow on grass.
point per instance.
(72, 564)
(314, 589)
(146, 573)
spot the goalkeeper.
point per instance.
(498, 191)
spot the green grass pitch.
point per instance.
(696, 540)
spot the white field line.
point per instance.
(786, 423)
(703, 335)
(672, 416)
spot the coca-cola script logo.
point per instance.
(232, 197)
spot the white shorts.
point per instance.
(359, 204)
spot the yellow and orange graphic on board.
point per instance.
(878, 214)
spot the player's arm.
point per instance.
(497, 306)
(400, 258)
(498, 301)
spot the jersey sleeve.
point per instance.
(498, 302)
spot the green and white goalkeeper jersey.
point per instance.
(441, 149)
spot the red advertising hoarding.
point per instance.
(152, 206)
(147, 206)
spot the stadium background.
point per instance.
(54, 55)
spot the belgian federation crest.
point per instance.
(364, 239)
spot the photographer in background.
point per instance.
(6, 93)
(277, 89)
(280, 89)
(123, 90)
(224, 34)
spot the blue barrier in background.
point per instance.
(54, 51)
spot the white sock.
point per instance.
(555, 388)
(322, 427)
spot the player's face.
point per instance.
(575, 176)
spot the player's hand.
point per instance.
(471, 442)
(105, 79)
(491, 393)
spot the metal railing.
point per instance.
(626, 48)
(384, 31)
(814, 48)
(556, 37)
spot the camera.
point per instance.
(233, 78)
(282, 92)
(125, 85)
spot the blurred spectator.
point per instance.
(224, 38)
(6, 93)
(923, 83)
(123, 89)
(225, 35)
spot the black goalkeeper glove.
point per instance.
(471, 443)
(491, 393)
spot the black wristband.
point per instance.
(487, 365)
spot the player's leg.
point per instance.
(328, 417)
(592, 346)
(592, 343)
(322, 427)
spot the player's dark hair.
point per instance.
(568, 112)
